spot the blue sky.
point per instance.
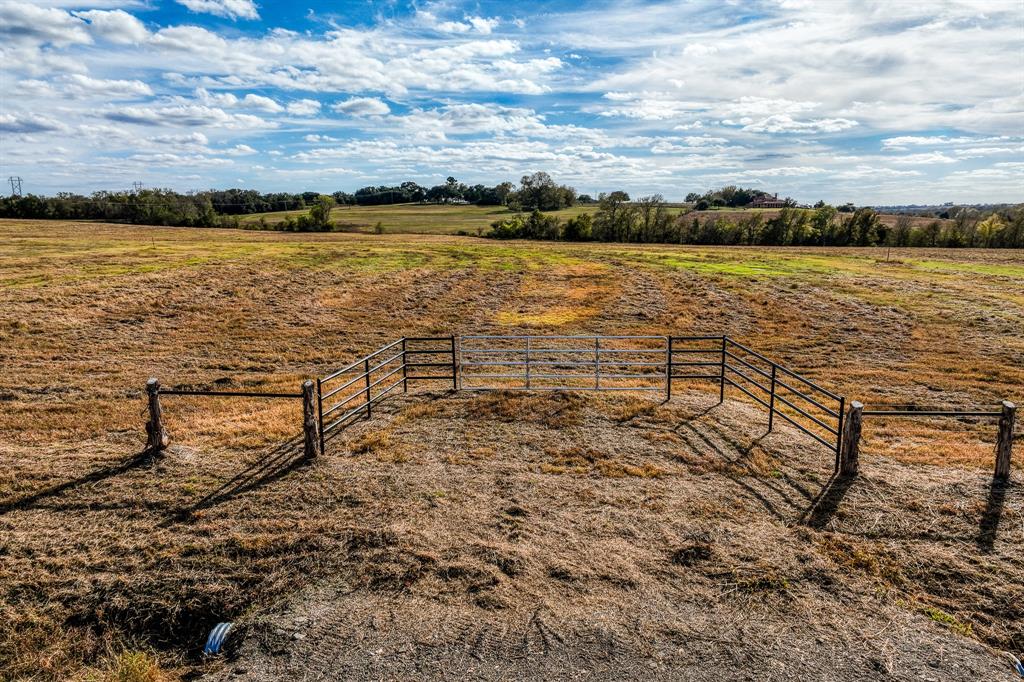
(870, 102)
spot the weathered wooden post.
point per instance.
(157, 438)
(1005, 442)
(848, 456)
(310, 424)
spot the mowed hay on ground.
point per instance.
(159, 550)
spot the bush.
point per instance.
(579, 229)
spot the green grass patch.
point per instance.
(742, 264)
(992, 269)
(950, 621)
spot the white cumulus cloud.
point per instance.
(229, 9)
(362, 106)
(115, 26)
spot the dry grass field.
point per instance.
(549, 521)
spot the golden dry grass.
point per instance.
(89, 311)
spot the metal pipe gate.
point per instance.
(491, 362)
(563, 363)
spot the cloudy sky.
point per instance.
(871, 102)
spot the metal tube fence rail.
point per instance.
(354, 389)
(563, 363)
(1004, 441)
(809, 407)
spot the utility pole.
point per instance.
(137, 186)
(15, 185)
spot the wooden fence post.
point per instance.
(310, 425)
(157, 436)
(850, 452)
(1005, 442)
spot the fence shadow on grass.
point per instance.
(993, 514)
(825, 504)
(789, 491)
(273, 465)
(136, 461)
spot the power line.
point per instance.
(15, 185)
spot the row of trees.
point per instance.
(650, 220)
(535, 191)
(206, 209)
(618, 219)
(144, 207)
(729, 196)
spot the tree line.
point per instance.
(617, 219)
(535, 191)
(213, 208)
(649, 220)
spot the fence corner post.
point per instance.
(1005, 443)
(850, 449)
(157, 438)
(310, 425)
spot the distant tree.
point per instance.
(412, 192)
(536, 225)
(749, 228)
(344, 198)
(579, 228)
(990, 230)
(823, 224)
(319, 217)
(900, 234)
(539, 191)
(614, 220)
(863, 227)
(652, 219)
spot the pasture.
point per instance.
(584, 505)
